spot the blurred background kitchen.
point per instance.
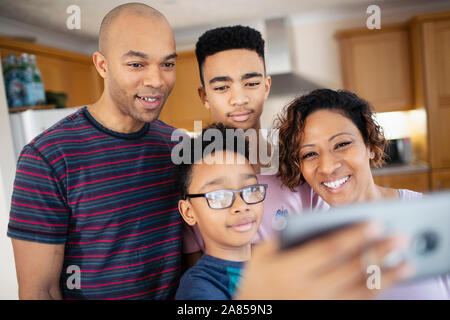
(402, 69)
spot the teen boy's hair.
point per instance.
(239, 145)
(227, 38)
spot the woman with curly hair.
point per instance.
(329, 139)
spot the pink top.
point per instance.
(281, 202)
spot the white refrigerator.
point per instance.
(28, 124)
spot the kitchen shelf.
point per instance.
(417, 167)
(21, 109)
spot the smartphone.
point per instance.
(425, 221)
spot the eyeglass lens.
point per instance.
(224, 198)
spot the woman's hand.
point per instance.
(331, 267)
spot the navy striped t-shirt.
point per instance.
(111, 198)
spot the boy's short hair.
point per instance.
(227, 38)
(185, 169)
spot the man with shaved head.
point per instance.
(137, 9)
(137, 60)
(94, 210)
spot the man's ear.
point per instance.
(187, 212)
(203, 97)
(100, 63)
(267, 85)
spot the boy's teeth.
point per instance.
(148, 99)
(336, 184)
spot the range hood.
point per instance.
(280, 60)
(278, 47)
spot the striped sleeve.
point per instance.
(38, 207)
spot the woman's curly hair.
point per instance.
(292, 120)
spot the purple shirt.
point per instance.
(281, 202)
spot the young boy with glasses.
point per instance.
(224, 200)
(222, 197)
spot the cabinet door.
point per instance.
(84, 85)
(184, 105)
(80, 81)
(412, 181)
(436, 56)
(440, 179)
(377, 67)
(53, 76)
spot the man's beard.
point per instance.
(127, 105)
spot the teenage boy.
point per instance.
(223, 198)
(234, 88)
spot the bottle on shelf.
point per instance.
(13, 83)
(38, 86)
(26, 75)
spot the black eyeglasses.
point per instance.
(223, 199)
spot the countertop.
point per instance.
(417, 167)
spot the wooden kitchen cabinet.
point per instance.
(413, 181)
(184, 105)
(377, 65)
(435, 53)
(62, 71)
(412, 60)
(440, 179)
(75, 75)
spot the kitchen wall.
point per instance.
(316, 64)
(46, 37)
(315, 51)
(317, 58)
